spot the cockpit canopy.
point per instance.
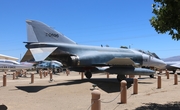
(149, 53)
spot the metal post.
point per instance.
(50, 74)
(107, 75)
(135, 86)
(167, 74)
(4, 80)
(159, 82)
(44, 73)
(14, 76)
(17, 74)
(95, 100)
(25, 74)
(175, 79)
(82, 75)
(67, 72)
(123, 91)
(40, 74)
(32, 77)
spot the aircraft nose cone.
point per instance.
(160, 64)
(153, 62)
(163, 65)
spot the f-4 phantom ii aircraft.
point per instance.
(46, 43)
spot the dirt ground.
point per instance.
(73, 93)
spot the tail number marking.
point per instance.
(52, 35)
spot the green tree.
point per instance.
(167, 17)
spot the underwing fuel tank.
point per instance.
(129, 71)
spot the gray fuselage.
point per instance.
(86, 55)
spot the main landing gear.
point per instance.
(88, 74)
(174, 71)
(151, 76)
(121, 77)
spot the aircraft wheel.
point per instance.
(88, 74)
(121, 77)
(174, 71)
(151, 76)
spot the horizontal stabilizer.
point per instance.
(41, 54)
(27, 57)
(121, 61)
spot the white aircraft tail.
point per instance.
(40, 32)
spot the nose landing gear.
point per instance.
(88, 74)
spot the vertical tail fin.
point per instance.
(40, 32)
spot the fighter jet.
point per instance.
(46, 43)
(173, 63)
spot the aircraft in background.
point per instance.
(6, 57)
(173, 63)
(46, 43)
(14, 65)
(10, 63)
(54, 65)
(49, 64)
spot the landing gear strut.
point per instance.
(88, 74)
(121, 77)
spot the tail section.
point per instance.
(40, 32)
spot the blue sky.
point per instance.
(89, 22)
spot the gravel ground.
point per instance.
(73, 93)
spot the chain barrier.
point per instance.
(90, 106)
(131, 91)
(116, 97)
(111, 100)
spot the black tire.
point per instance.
(121, 77)
(88, 74)
(151, 76)
(174, 71)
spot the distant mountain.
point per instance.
(174, 58)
